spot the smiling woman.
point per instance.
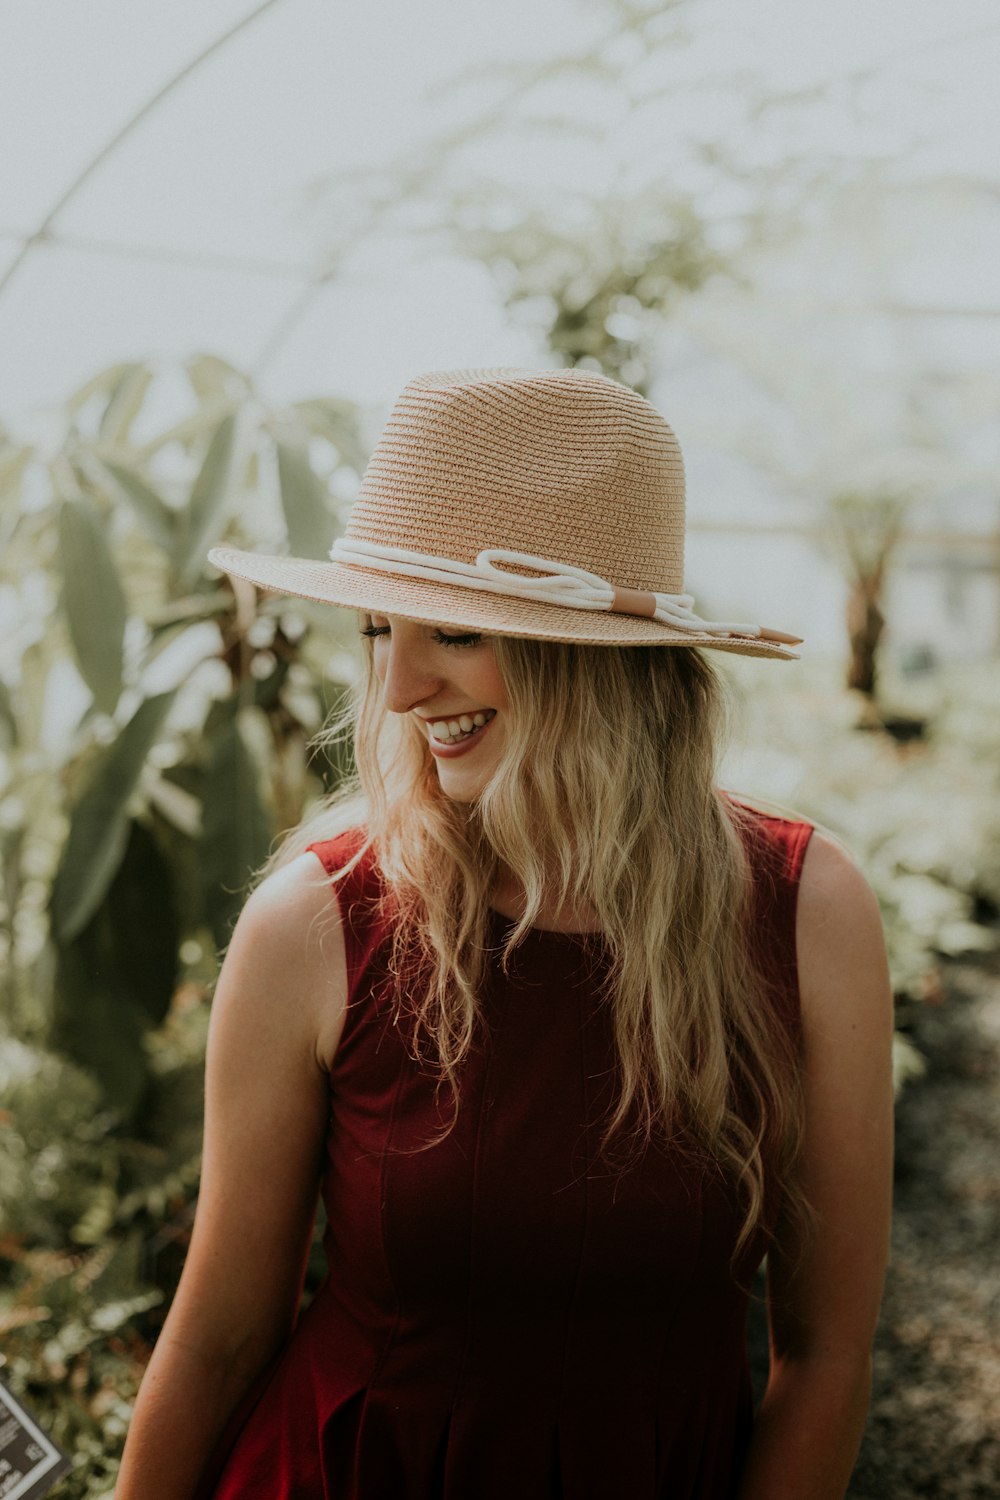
(566, 1036)
(449, 681)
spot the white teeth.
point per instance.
(446, 730)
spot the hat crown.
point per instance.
(564, 464)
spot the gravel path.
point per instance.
(934, 1425)
(934, 1428)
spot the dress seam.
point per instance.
(394, 1326)
(478, 1149)
(587, 1206)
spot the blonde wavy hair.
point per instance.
(604, 800)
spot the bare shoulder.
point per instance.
(825, 1285)
(839, 937)
(831, 882)
(290, 906)
(288, 951)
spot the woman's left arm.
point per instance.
(824, 1286)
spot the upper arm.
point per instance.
(826, 1283)
(279, 1000)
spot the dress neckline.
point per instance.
(500, 918)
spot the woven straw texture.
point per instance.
(564, 464)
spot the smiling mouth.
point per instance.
(463, 727)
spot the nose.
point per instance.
(408, 673)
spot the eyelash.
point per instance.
(373, 632)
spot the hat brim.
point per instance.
(416, 599)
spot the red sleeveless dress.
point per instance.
(505, 1316)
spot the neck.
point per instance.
(509, 900)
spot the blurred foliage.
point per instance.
(155, 732)
(156, 727)
(865, 529)
(156, 719)
(94, 1229)
(919, 808)
(597, 291)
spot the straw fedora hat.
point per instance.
(542, 503)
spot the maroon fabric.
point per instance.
(505, 1314)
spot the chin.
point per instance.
(457, 789)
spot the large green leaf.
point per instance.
(337, 421)
(236, 828)
(99, 827)
(103, 381)
(124, 403)
(155, 517)
(93, 600)
(202, 523)
(35, 666)
(8, 719)
(13, 462)
(310, 525)
(188, 432)
(90, 1027)
(214, 379)
(117, 976)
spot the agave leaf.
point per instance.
(210, 492)
(98, 831)
(213, 378)
(187, 431)
(124, 403)
(93, 600)
(237, 829)
(337, 421)
(303, 500)
(96, 1032)
(180, 808)
(104, 380)
(8, 719)
(12, 466)
(31, 697)
(141, 930)
(155, 517)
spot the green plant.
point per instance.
(922, 819)
(157, 720)
(865, 529)
(93, 1229)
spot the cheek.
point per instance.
(493, 690)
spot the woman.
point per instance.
(567, 1037)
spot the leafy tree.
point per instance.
(598, 291)
(866, 529)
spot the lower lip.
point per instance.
(449, 752)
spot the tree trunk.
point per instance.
(865, 623)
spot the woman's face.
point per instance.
(447, 679)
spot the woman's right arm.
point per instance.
(276, 1018)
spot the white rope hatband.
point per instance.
(557, 583)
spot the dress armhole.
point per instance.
(358, 896)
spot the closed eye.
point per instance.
(472, 638)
